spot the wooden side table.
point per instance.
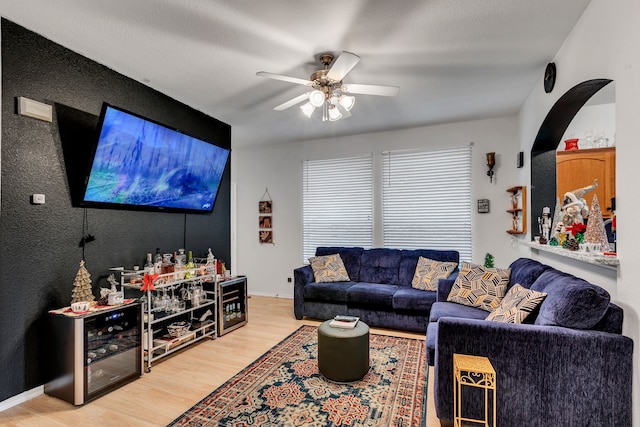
(473, 371)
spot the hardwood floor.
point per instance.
(181, 380)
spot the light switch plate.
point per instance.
(37, 199)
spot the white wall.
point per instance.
(603, 44)
(279, 168)
(590, 53)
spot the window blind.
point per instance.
(426, 199)
(337, 203)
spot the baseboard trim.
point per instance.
(265, 294)
(21, 398)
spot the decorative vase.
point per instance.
(571, 144)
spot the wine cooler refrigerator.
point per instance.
(94, 353)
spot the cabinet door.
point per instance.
(578, 168)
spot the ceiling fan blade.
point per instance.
(292, 102)
(342, 65)
(370, 89)
(284, 78)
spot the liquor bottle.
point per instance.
(190, 267)
(157, 262)
(148, 266)
(178, 267)
(211, 264)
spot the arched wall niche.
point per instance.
(543, 152)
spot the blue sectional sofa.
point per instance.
(379, 291)
(567, 364)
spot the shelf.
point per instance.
(611, 262)
(167, 345)
(157, 319)
(518, 211)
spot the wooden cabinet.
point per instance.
(518, 210)
(578, 168)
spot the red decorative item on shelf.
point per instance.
(571, 144)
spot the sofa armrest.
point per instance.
(545, 375)
(301, 277)
(445, 285)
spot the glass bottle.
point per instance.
(178, 267)
(167, 265)
(157, 262)
(190, 267)
(211, 264)
(148, 266)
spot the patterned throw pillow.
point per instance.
(328, 268)
(517, 304)
(477, 286)
(429, 271)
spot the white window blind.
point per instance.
(426, 199)
(337, 203)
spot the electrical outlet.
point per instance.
(289, 279)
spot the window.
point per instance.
(337, 203)
(426, 199)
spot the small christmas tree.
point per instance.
(488, 260)
(82, 285)
(595, 226)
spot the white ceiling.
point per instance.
(452, 59)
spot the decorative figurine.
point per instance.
(82, 285)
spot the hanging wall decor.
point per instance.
(265, 218)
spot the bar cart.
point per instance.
(178, 310)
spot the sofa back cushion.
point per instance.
(571, 302)
(409, 261)
(351, 258)
(525, 271)
(380, 266)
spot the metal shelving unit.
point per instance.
(200, 313)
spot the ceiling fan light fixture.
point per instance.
(316, 98)
(307, 109)
(334, 113)
(347, 101)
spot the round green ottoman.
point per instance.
(343, 354)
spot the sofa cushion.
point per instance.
(351, 257)
(409, 261)
(371, 295)
(429, 272)
(452, 309)
(478, 286)
(328, 268)
(380, 266)
(329, 292)
(516, 305)
(525, 271)
(571, 302)
(410, 299)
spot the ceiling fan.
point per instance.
(328, 91)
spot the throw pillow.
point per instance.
(328, 268)
(429, 272)
(516, 305)
(477, 286)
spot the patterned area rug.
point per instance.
(284, 388)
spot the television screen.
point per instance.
(141, 164)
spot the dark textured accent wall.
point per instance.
(39, 252)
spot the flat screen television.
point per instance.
(138, 163)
